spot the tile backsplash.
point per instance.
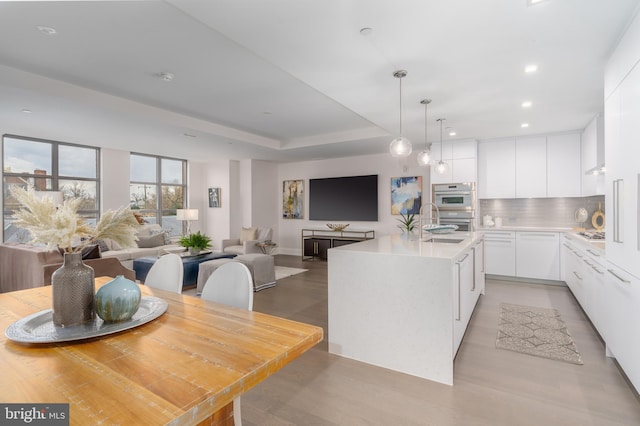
(547, 212)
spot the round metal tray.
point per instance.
(39, 328)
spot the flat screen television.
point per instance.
(344, 198)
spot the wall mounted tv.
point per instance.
(344, 198)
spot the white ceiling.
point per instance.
(291, 80)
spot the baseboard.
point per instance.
(525, 280)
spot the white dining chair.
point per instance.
(166, 274)
(231, 284)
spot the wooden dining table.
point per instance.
(183, 368)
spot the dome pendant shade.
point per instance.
(424, 157)
(442, 167)
(400, 147)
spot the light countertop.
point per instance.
(398, 244)
(525, 229)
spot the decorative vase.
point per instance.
(118, 300)
(194, 251)
(73, 287)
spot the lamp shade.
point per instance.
(187, 214)
(400, 147)
(424, 157)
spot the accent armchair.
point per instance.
(247, 242)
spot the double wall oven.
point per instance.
(456, 203)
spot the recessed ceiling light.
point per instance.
(524, 125)
(47, 30)
(166, 76)
(534, 2)
(531, 68)
(26, 110)
(527, 104)
(452, 133)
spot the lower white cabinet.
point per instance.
(479, 266)
(500, 253)
(610, 297)
(538, 255)
(466, 295)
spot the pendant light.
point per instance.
(400, 146)
(424, 157)
(441, 167)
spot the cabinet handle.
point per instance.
(617, 202)
(619, 277)
(463, 259)
(459, 276)
(577, 275)
(538, 234)
(473, 287)
(578, 254)
(593, 253)
(587, 262)
(597, 270)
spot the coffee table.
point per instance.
(191, 265)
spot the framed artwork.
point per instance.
(406, 195)
(293, 199)
(214, 197)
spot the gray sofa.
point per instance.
(151, 242)
(246, 244)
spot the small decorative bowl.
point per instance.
(337, 226)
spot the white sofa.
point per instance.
(246, 244)
(151, 241)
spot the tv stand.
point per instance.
(316, 241)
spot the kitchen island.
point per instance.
(404, 304)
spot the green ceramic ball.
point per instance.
(118, 300)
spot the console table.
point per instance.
(316, 241)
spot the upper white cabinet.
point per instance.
(462, 159)
(564, 178)
(531, 167)
(592, 153)
(622, 126)
(526, 167)
(497, 168)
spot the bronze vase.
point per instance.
(73, 291)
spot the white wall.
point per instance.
(386, 167)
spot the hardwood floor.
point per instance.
(491, 386)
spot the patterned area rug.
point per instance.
(536, 331)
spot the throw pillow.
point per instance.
(152, 241)
(165, 233)
(91, 252)
(247, 234)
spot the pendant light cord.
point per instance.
(400, 106)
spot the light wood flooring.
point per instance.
(491, 386)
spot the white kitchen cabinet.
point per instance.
(461, 156)
(538, 255)
(479, 267)
(500, 253)
(465, 296)
(564, 178)
(592, 157)
(497, 168)
(623, 330)
(622, 127)
(531, 167)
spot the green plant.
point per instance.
(198, 241)
(408, 222)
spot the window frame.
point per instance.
(54, 175)
(159, 211)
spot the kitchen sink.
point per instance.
(446, 240)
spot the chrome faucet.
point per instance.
(430, 216)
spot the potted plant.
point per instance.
(408, 223)
(195, 242)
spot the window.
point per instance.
(48, 166)
(157, 189)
